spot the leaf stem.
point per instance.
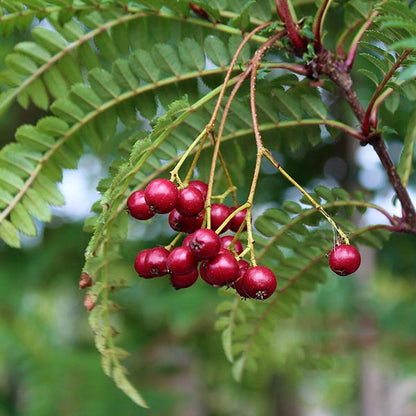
(317, 206)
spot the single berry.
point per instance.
(140, 264)
(184, 224)
(226, 243)
(344, 259)
(161, 195)
(201, 186)
(203, 272)
(204, 244)
(181, 281)
(181, 261)
(243, 265)
(259, 282)
(222, 269)
(138, 207)
(190, 201)
(238, 219)
(219, 212)
(155, 261)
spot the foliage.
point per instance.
(146, 83)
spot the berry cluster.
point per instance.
(202, 252)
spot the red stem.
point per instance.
(292, 31)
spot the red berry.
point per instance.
(204, 244)
(155, 261)
(238, 219)
(203, 272)
(226, 243)
(201, 186)
(181, 281)
(161, 195)
(243, 265)
(344, 259)
(219, 212)
(184, 224)
(181, 261)
(138, 207)
(141, 266)
(259, 282)
(222, 269)
(190, 201)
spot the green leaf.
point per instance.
(404, 167)
(167, 58)
(243, 19)
(21, 64)
(31, 137)
(370, 75)
(8, 234)
(124, 384)
(226, 338)
(216, 51)
(34, 51)
(142, 65)
(191, 54)
(50, 40)
(67, 110)
(22, 220)
(49, 190)
(55, 82)
(103, 83)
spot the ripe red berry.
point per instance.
(238, 219)
(344, 259)
(161, 195)
(222, 269)
(181, 261)
(203, 272)
(138, 207)
(219, 212)
(226, 242)
(184, 224)
(181, 281)
(140, 264)
(155, 261)
(243, 265)
(204, 244)
(201, 186)
(259, 282)
(190, 201)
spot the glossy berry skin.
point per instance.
(223, 269)
(181, 261)
(259, 282)
(226, 242)
(203, 272)
(140, 264)
(204, 244)
(344, 259)
(138, 207)
(238, 219)
(161, 195)
(184, 224)
(201, 186)
(243, 266)
(155, 261)
(219, 212)
(181, 281)
(190, 201)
